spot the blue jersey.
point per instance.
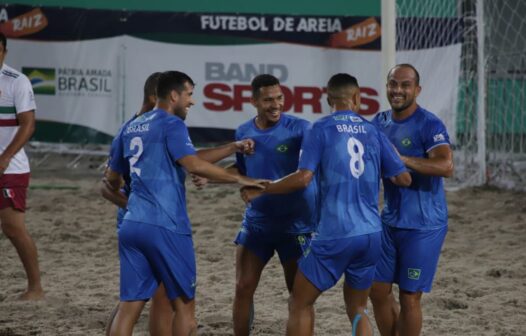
(115, 144)
(423, 205)
(276, 155)
(350, 154)
(149, 147)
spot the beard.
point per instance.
(180, 112)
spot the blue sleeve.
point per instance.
(117, 162)
(311, 149)
(434, 134)
(240, 158)
(305, 126)
(375, 120)
(391, 164)
(178, 140)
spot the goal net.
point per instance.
(494, 150)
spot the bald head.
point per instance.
(409, 69)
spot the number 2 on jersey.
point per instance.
(135, 143)
(356, 151)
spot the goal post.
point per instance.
(487, 121)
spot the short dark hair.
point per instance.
(262, 80)
(409, 66)
(172, 80)
(150, 86)
(340, 81)
(3, 40)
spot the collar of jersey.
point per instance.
(345, 112)
(266, 130)
(411, 117)
(164, 111)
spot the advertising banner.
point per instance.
(88, 66)
(75, 83)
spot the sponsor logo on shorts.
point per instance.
(406, 142)
(413, 273)
(282, 148)
(8, 193)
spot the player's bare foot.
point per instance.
(33, 295)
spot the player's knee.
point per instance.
(354, 307)
(296, 302)
(245, 286)
(11, 230)
(379, 293)
(410, 300)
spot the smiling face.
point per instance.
(269, 104)
(402, 89)
(183, 101)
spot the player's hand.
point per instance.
(249, 193)
(245, 146)
(248, 182)
(199, 181)
(4, 163)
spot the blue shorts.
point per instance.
(120, 216)
(151, 254)
(410, 257)
(263, 244)
(355, 256)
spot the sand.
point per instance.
(480, 288)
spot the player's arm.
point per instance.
(212, 155)
(26, 128)
(402, 180)
(298, 180)
(111, 188)
(438, 163)
(200, 181)
(194, 165)
(392, 165)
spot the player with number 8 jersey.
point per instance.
(349, 155)
(352, 154)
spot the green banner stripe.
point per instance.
(7, 110)
(306, 7)
(50, 131)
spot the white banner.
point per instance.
(74, 82)
(439, 70)
(223, 75)
(99, 83)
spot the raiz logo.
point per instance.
(42, 79)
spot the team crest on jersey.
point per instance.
(282, 148)
(406, 142)
(414, 273)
